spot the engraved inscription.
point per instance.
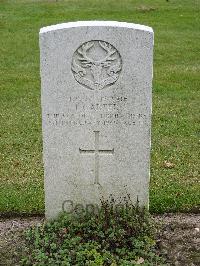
(103, 119)
(96, 152)
(103, 111)
(96, 65)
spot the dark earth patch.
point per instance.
(179, 238)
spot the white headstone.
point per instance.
(96, 112)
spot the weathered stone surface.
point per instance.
(96, 112)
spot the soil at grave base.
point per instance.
(178, 238)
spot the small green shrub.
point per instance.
(112, 236)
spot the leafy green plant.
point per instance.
(115, 235)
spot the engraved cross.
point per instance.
(96, 152)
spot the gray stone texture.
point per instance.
(96, 80)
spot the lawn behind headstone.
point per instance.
(175, 131)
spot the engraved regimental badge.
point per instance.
(96, 65)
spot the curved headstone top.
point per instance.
(96, 79)
(95, 24)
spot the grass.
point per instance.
(176, 95)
